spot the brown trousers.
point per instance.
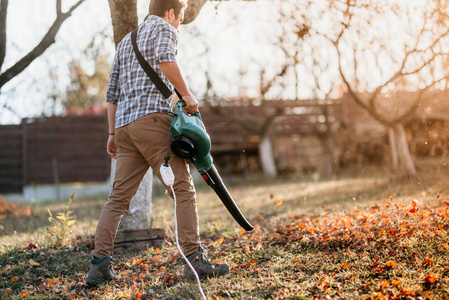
(140, 145)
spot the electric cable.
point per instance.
(169, 179)
(179, 248)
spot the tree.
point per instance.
(377, 65)
(404, 61)
(44, 44)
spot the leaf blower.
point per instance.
(190, 141)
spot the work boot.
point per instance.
(100, 271)
(203, 267)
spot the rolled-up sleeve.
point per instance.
(165, 44)
(113, 92)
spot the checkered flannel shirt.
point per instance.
(129, 86)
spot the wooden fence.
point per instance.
(56, 149)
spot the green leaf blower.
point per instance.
(190, 141)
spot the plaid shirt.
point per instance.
(129, 86)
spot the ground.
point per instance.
(364, 235)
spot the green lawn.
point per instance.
(369, 236)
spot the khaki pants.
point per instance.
(140, 145)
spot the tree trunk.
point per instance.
(405, 158)
(3, 12)
(124, 17)
(394, 149)
(267, 156)
(139, 214)
(124, 20)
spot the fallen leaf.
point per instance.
(390, 264)
(278, 202)
(34, 263)
(14, 279)
(32, 245)
(428, 260)
(397, 282)
(24, 294)
(218, 242)
(406, 292)
(242, 231)
(158, 251)
(430, 278)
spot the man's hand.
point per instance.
(111, 147)
(191, 104)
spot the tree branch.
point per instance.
(193, 10)
(46, 42)
(3, 11)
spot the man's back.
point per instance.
(129, 86)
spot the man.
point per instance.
(139, 123)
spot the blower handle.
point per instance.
(183, 104)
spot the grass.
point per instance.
(372, 236)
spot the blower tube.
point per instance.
(214, 180)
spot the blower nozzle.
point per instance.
(190, 141)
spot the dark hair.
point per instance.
(159, 7)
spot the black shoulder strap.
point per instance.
(162, 87)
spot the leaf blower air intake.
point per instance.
(190, 141)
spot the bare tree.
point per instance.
(415, 62)
(43, 45)
(382, 48)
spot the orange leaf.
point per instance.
(242, 231)
(446, 203)
(396, 282)
(158, 251)
(375, 207)
(384, 284)
(218, 242)
(413, 210)
(344, 266)
(390, 264)
(217, 261)
(391, 198)
(278, 202)
(430, 278)
(406, 292)
(14, 279)
(24, 294)
(428, 260)
(414, 203)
